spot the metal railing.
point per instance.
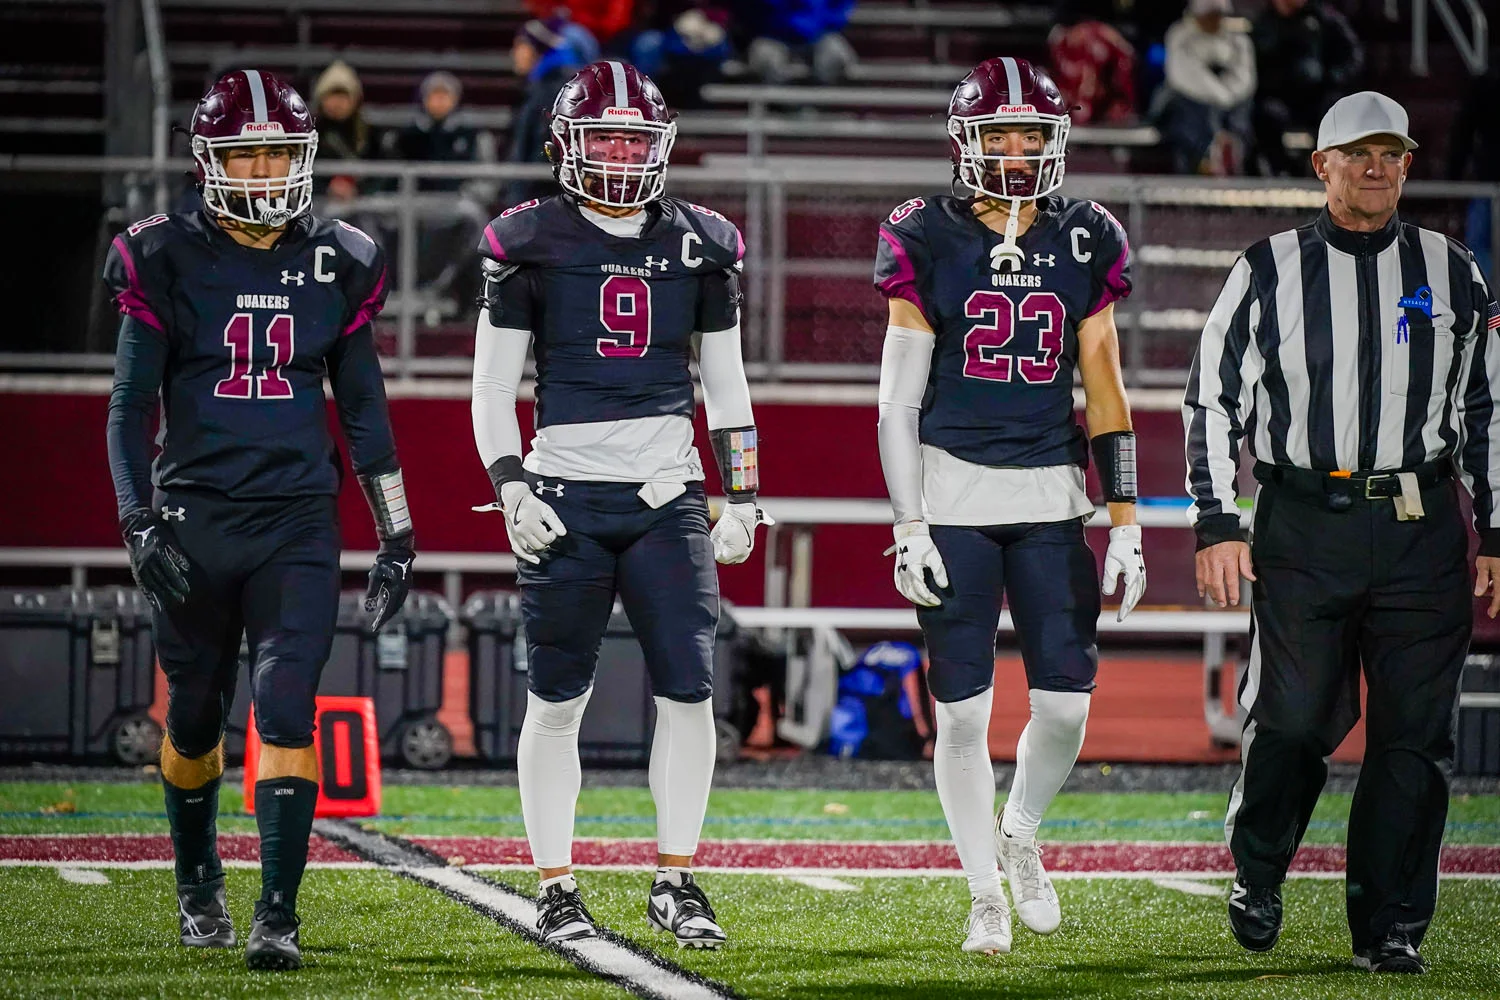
(809, 225)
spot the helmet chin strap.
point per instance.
(1013, 223)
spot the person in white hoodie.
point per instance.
(1205, 106)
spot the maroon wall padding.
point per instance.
(60, 493)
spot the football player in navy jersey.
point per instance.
(616, 288)
(233, 316)
(995, 299)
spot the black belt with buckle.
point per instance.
(1339, 491)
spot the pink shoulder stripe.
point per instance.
(131, 300)
(370, 308)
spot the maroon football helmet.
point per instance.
(612, 135)
(1007, 91)
(247, 108)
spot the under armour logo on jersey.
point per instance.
(174, 514)
(556, 491)
(288, 278)
(660, 263)
(1037, 260)
(1006, 257)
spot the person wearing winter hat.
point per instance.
(343, 134)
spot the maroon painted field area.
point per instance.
(768, 856)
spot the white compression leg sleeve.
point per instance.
(1046, 753)
(966, 787)
(682, 769)
(549, 775)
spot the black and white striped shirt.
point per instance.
(1330, 349)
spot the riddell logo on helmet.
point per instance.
(623, 113)
(1017, 109)
(256, 128)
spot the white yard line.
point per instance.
(83, 876)
(610, 956)
(824, 883)
(1189, 886)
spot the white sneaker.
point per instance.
(1036, 900)
(988, 927)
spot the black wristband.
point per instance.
(1114, 453)
(737, 451)
(505, 469)
(1217, 528)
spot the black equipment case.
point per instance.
(77, 675)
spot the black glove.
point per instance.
(390, 579)
(156, 560)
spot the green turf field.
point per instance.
(370, 933)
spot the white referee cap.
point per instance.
(1360, 116)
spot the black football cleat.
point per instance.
(1393, 953)
(681, 909)
(273, 944)
(561, 915)
(203, 915)
(1255, 915)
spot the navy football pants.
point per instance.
(661, 564)
(267, 570)
(1047, 572)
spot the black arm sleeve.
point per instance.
(140, 364)
(359, 391)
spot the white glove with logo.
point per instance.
(916, 556)
(530, 522)
(733, 533)
(1124, 557)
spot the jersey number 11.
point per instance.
(239, 337)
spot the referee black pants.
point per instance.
(1337, 590)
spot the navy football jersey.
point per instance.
(1000, 391)
(612, 318)
(247, 333)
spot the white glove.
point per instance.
(733, 534)
(531, 524)
(1124, 557)
(915, 557)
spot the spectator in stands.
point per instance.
(1307, 57)
(343, 133)
(685, 49)
(546, 54)
(1204, 109)
(603, 19)
(1476, 142)
(784, 31)
(1093, 65)
(446, 232)
(439, 135)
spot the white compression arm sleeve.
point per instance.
(904, 364)
(721, 369)
(499, 363)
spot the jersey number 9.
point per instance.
(984, 345)
(625, 309)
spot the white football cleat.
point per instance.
(988, 928)
(1036, 900)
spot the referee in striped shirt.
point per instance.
(1358, 358)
